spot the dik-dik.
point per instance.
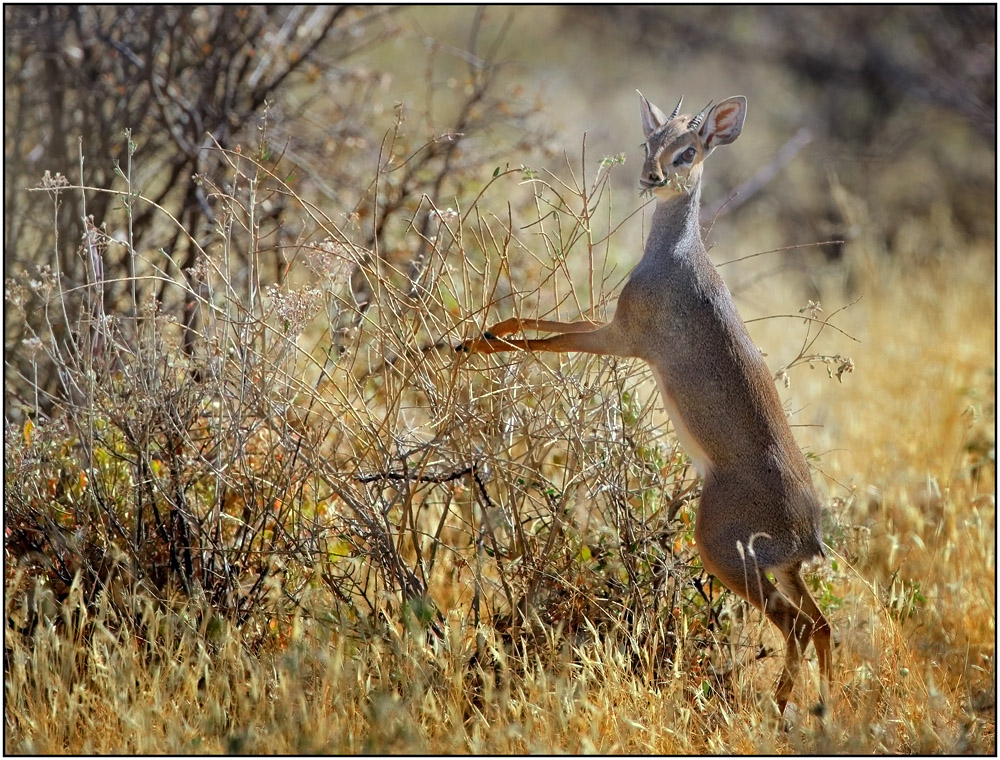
(759, 511)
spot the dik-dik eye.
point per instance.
(685, 157)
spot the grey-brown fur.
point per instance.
(758, 511)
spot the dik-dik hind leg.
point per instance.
(796, 626)
(791, 584)
(587, 337)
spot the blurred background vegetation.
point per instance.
(893, 108)
(239, 242)
(890, 111)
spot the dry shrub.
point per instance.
(318, 458)
(317, 454)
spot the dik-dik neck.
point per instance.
(675, 231)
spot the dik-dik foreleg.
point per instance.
(589, 337)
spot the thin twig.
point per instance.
(761, 177)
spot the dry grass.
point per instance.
(908, 467)
(917, 448)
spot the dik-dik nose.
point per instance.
(655, 177)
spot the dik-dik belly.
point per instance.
(720, 398)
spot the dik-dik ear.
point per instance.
(724, 122)
(652, 117)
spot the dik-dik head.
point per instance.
(676, 145)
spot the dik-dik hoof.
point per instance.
(466, 347)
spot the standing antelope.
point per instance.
(759, 511)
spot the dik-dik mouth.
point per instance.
(676, 182)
